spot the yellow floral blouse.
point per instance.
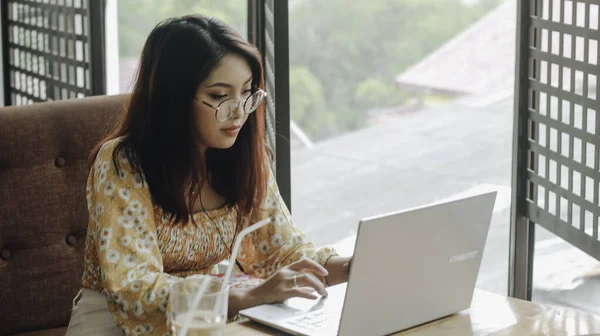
(133, 255)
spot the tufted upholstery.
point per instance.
(44, 151)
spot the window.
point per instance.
(396, 104)
(46, 48)
(134, 19)
(563, 274)
(558, 159)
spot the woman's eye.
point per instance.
(217, 97)
(247, 93)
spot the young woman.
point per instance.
(185, 170)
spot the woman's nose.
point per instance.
(238, 110)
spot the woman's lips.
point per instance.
(232, 131)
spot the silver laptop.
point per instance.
(410, 267)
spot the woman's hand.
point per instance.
(339, 269)
(295, 280)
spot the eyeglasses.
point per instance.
(227, 108)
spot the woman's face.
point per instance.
(229, 84)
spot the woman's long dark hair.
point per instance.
(158, 125)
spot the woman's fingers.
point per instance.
(299, 279)
(302, 292)
(309, 280)
(308, 265)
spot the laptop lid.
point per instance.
(415, 266)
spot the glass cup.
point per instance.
(209, 317)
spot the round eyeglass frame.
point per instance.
(236, 104)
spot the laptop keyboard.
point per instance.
(320, 321)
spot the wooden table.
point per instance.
(490, 314)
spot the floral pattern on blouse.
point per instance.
(133, 255)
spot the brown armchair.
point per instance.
(44, 151)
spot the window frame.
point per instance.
(268, 29)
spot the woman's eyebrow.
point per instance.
(226, 85)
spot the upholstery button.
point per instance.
(59, 162)
(5, 254)
(71, 240)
